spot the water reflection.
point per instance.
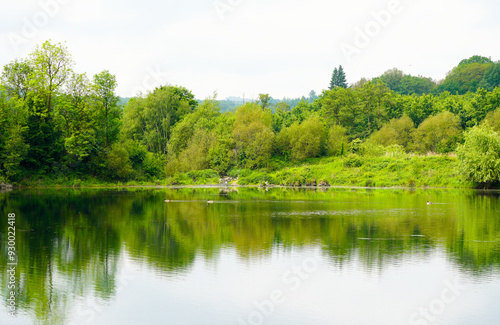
(73, 243)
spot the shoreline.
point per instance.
(221, 186)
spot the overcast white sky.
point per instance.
(282, 47)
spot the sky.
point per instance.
(284, 48)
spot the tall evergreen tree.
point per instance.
(338, 78)
(333, 81)
(341, 80)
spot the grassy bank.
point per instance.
(63, 182)
(353, 170)
(405, 170)
(390, 170)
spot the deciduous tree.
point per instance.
(438, 133)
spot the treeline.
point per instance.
(60, 124)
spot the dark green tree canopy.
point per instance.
(475, 59)
(406, 84)
(467, 76)
(491, 77)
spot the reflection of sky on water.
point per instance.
(129, 258)
(227, 289)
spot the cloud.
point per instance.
(281, 47)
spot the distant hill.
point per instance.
(232, 102)
(122, 101)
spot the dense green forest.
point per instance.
(61, 125)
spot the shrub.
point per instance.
(201, 175)
(353, 160)
(479, 156)
(396, 132)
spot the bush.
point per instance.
(371, 149)
(396, 132)
(153, 165)
(239, 173)
(353, 160)
(480, 156)
(256, 177)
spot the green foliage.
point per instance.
(465, 77)
(264, 100)
(56, 122)
(202, 140)
(146, 165)
(416, 85)
(355, 146)
(419, 108)
(338, 78)
(437, 133)
(306, 139)
(337, 142)
(107, 112)
(396, 132)
(403, 84)
(196, 155)
(338, 106)
(491, 77)
(222, 154)
(77, 118)
(392, 78)
(353, 160)
(493, 120)
(51, 65)
(480, 156)
(150, 120)
(203, 117)
(371, 149)
(46, 145)
(14, 151)
(16, 78)
(375, 99)
(118, 162)
(13, 147)
(253, 135)
(475, 59)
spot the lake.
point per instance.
(253, 256)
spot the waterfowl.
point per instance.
(167, 201)
(210, 201)
(429, 203)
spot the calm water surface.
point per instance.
(283, 256)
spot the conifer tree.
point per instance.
(338, 78)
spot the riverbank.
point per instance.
(403, 170)
(386, 171)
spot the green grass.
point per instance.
(399, 170)
(64, 182)
(385, 171)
